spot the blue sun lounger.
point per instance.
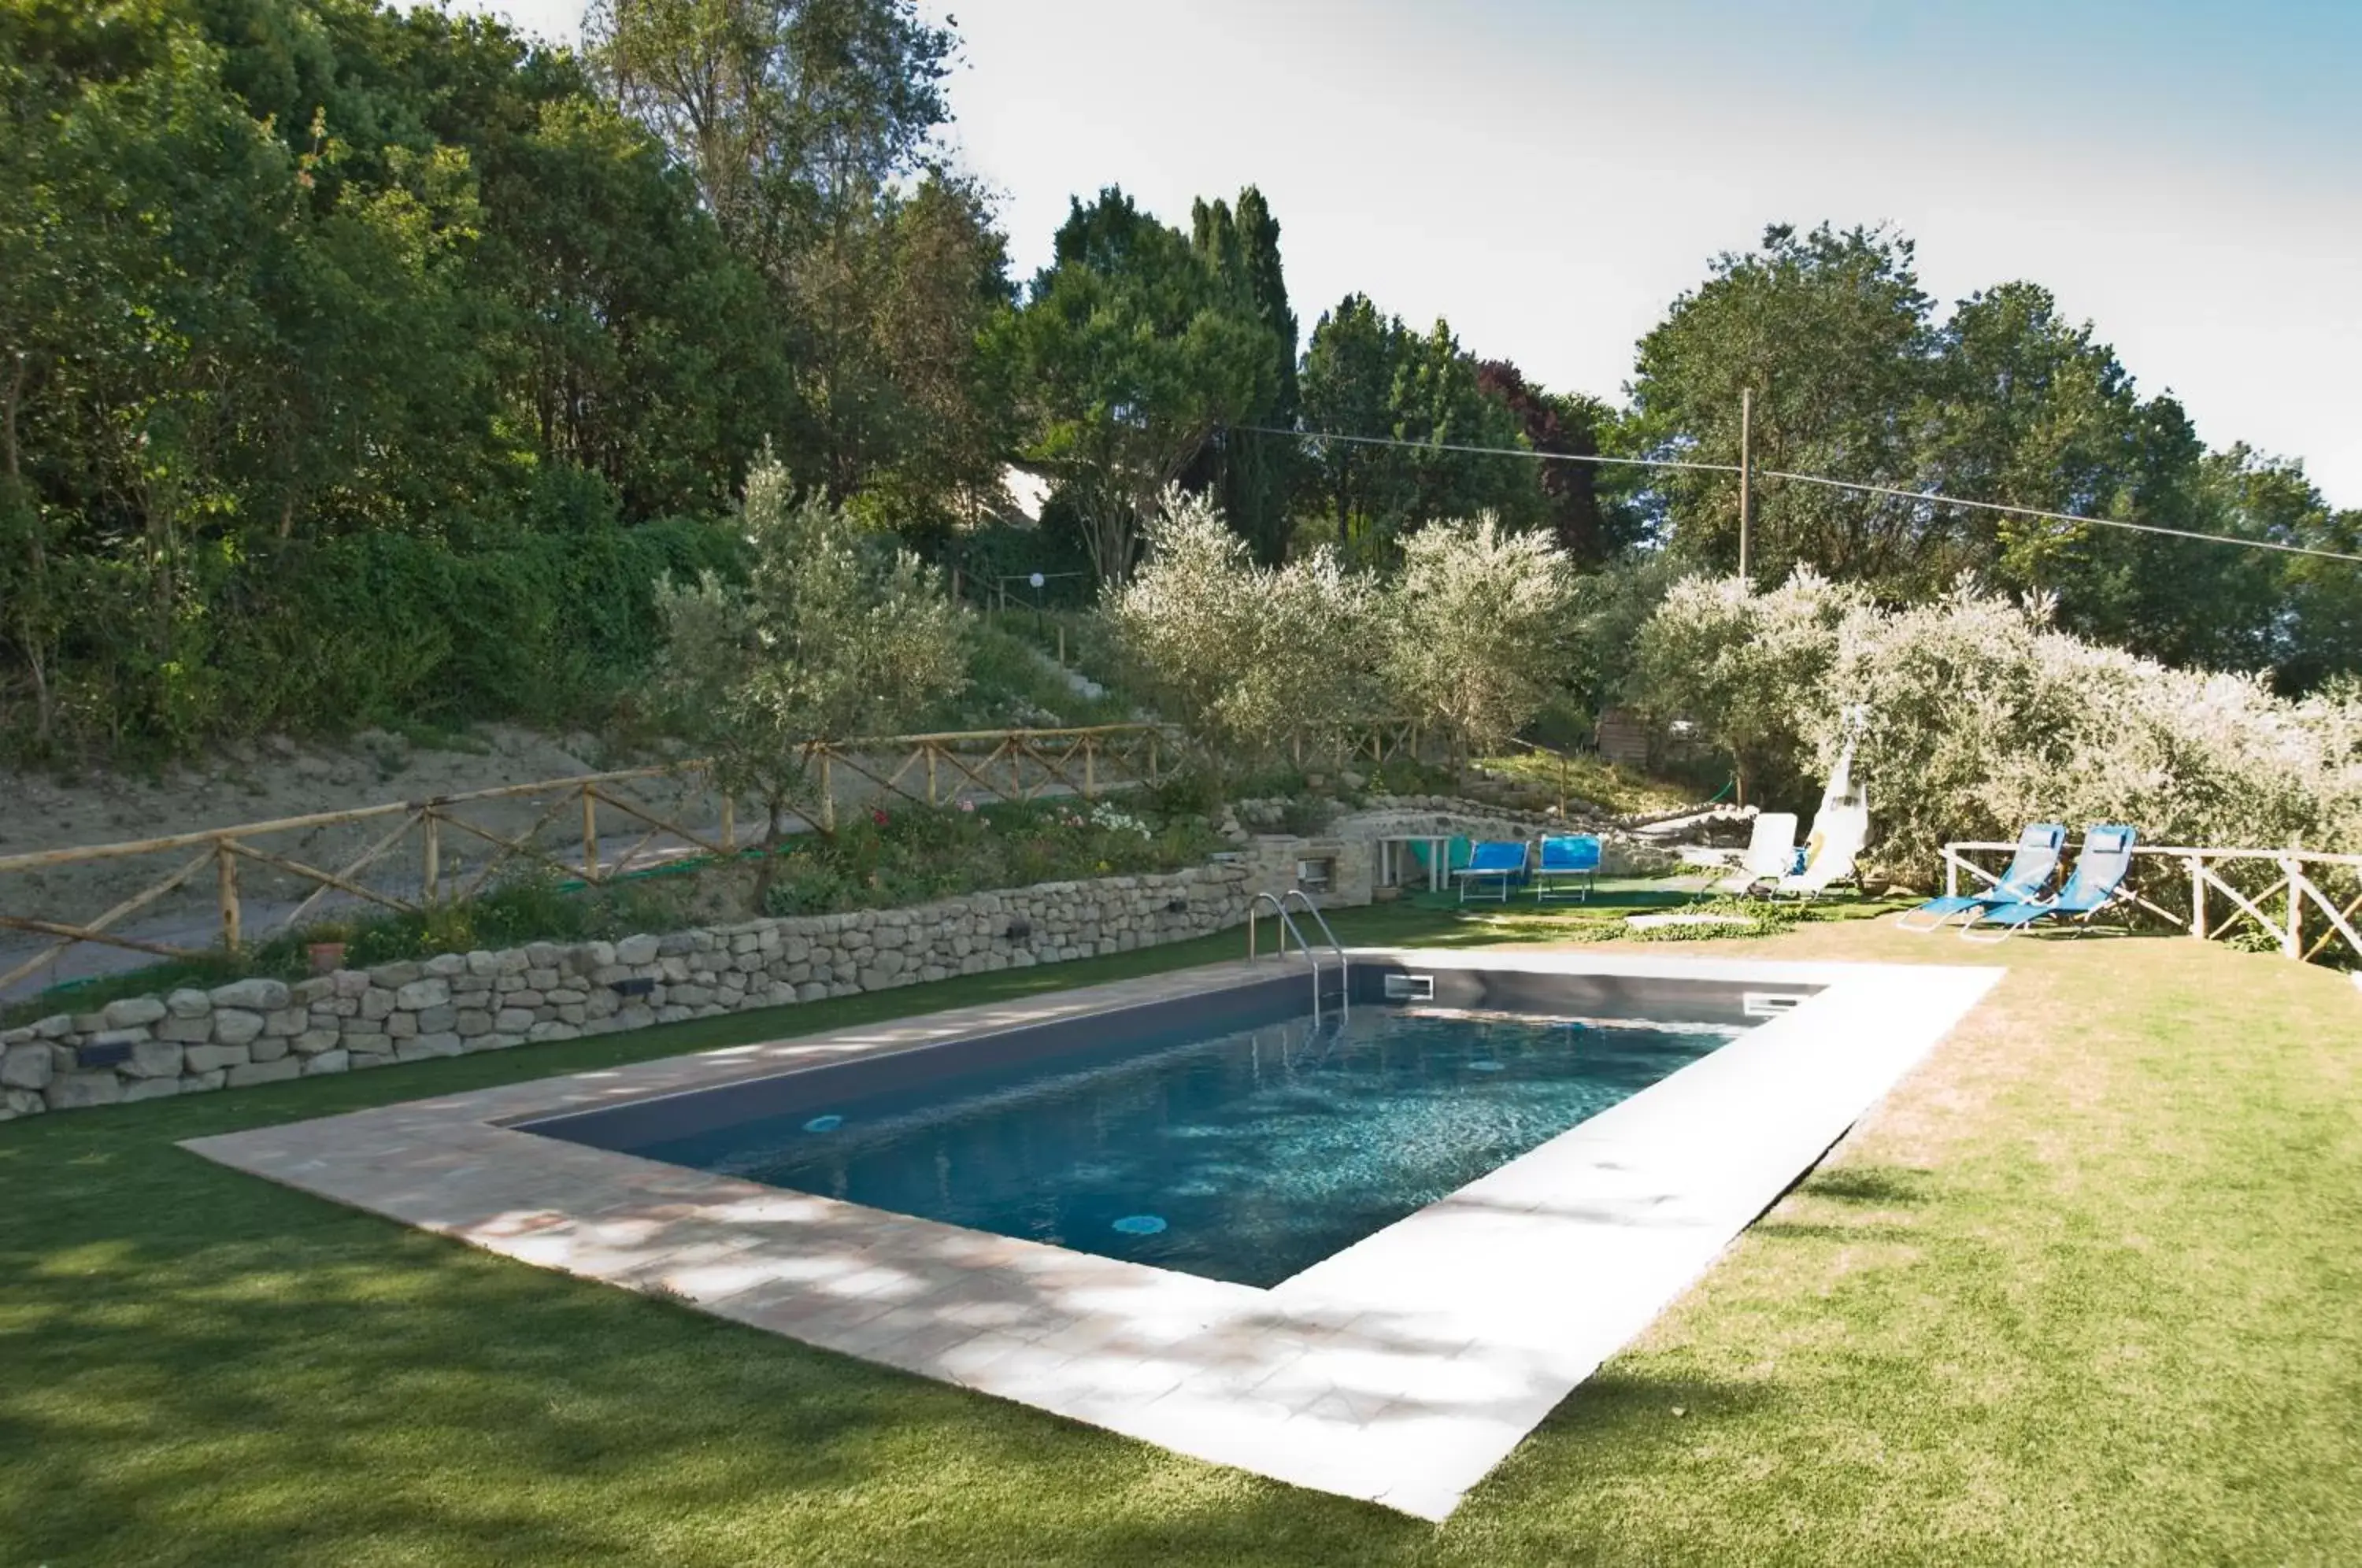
(2100, 869)
(1497, 861)
(2030, 870)
(1567, 858)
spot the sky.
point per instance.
(2185, 174)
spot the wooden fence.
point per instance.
(412, 855)
(409, 855)
(2306, 903)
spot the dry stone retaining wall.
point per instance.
(263, 1031)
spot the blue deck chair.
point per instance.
(1567, 858)
(2099, 868)
(2030, 870)
(1498, 861)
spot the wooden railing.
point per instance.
(412, 855)
(2212, 893)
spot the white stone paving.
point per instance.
(1400, 1369)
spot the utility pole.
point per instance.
(1746, 474)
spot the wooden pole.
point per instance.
(729, 823)
(827, 795)
(2198, 897)
(1746, 473)
(931, 776)
(226, 890)
(2294, 945)
(590, 836)
(1062, 645)
(1090, 771)
(431, 838)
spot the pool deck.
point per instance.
(1400, 1369)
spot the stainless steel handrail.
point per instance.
(1287, 927)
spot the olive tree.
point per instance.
(1244, 655)
(1750, 670)
(1980, 715)
(832, 636)
(1974, 715)
(1478, 622)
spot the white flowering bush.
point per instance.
(1977, 716)
(1107, 815)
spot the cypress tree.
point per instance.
(1254, 475)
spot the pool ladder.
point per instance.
(1287, 927)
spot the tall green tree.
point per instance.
(1254, 474)
(1832, 333)
(1366, 375)
(1132, 352)
(810, 126)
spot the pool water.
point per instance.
(1246, 1157)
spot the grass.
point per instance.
(1619, 791)
(1011, 682)
(2084, 1291)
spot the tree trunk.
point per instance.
(767, 868)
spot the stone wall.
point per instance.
(260, 1031)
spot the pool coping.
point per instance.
(1399, 1370)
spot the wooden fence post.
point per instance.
(2198, 897)
(1951, 873)
(226, 892)
(2294, 944)
(931, 775)
(827, 795)
(1090, 771)
(431, 848)
(589, 835)
(729, 823)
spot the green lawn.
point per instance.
(2085, 1290)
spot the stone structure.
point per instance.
(1411, 816)
(263, 1031)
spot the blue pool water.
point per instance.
(1245, 1157)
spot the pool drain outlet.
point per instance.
(1141, 1224)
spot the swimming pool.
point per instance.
(1246, 1155)
(1399, 1369)
(1244, 1143)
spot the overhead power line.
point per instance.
(1930, 497)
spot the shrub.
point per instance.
(919, 854)
(1477, 630)
(1243, 656)
(830, 637)
(1975, 716)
